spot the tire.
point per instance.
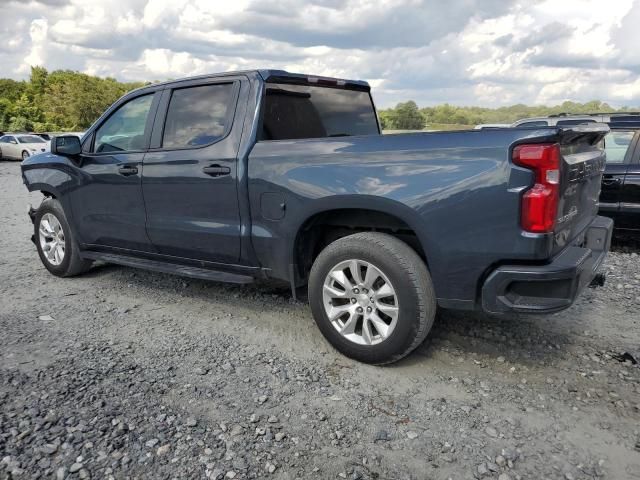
(69, 262)
(394, 263)
(25, 155)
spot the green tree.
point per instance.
(405, 116)
(5, 113)
(10, 89)
(20, 124)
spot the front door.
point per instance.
(629, 216)
(189, 179)
(618, 147)
(108, 207)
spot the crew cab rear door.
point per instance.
(189, 179)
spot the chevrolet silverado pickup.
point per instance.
(272, 175)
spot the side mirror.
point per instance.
(66, 145)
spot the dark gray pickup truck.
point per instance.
(272, 175)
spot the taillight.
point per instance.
(540, 202)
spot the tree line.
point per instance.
(61, 100)
(408, 116)
(65, 100)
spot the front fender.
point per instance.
(53, 175)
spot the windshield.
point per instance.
(304, 111)
(30, 139)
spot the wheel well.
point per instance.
(327, 227)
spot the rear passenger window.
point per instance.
(198, 116)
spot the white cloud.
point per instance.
(487, 52)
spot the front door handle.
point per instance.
(127, 170)
(216, 170)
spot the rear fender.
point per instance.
(358, 202)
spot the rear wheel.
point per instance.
(372, 297)
(56, 245)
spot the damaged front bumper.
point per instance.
(32, 216)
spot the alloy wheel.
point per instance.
(52, 239)
(360, 302)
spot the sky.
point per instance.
(464, 52)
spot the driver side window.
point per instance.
(124, 129)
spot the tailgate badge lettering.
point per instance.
(573, 211)
(571, 190)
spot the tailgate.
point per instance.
(583, 161)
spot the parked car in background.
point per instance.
(569, 119)
(620, 193)
(273, 175)
(22, 146)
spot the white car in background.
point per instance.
(20, 146)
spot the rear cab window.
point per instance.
(293, 111)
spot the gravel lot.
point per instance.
(129, 374)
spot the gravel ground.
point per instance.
(129, 374)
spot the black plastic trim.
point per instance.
(561, 280)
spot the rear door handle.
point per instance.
(216, 170)
(127, 170)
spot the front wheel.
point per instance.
(372, 298)
(56, 245)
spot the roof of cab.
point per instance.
(271, 75)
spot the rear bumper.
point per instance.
(554, 286)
